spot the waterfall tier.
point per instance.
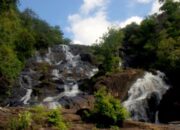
(145, 95)
(52, 75)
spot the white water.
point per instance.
(52, 102)
(93, 72)
(71, 59)
(27, 96)
(26, 82)
(139, 92)
(71, 92)
(55, 74)
(156, 118)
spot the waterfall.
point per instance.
(145, 95)
(71, 59)
(26, 82)
(65, 70)
(71, 92)
(27, 96)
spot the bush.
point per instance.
(23, 122)
(55, 119)
(40, 115)
(107, 110)
(44, 117)
(36, 118)
(10, 66)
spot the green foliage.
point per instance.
(38, 117)
(40, 114)
(10, 66)
(107, 50)
(169, 53)
(106, 105)
(23, 122)
(9, 27)
(154, 43)
(44, 117)
(55, 119)
(115, 128)
(170, 6)
(5, 5)
(107, 111)
(13, 124)
(24, 45)
(44, 34)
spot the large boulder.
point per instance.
(81, 101)
(119, 83)
(169, 109)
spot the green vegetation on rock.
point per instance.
(23, 122)
(107, 111)
(38, 117)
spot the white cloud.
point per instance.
(90, 5)
(135, 19)
(88, 30)
(91, 22)
(155, 7)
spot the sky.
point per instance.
(85, 21)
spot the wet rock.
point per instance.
(152, 103)
(86, 57)
(119, 83)
(81, 101)
(169, 109)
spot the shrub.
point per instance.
(107, 110)
(114, 128)
(10, 66)
(55, 119)
(36, 118)
(39, 115)
(13, 124)
(23, 122)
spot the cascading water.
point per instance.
(145, 95)
(66, 69)
(26, 82)
(27, 97)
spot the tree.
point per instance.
(107, 50)
(6, 5)
(10, 66)
(24, 45)
(170, 6)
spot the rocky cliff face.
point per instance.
(51, 78)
